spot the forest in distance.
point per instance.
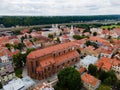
(9, 21)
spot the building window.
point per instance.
(52, 66)
(58, 66)
(68, 62)
(64, 51)
(32, 66)
(72, 59)
(37, 63)
(59, 53)
(48, 68)
(54, 55)
(63, 64)
(45, 70)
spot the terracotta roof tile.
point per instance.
(50, 49)
(64, 57)
(81, 70)
(46, 62)
(104, 63)
(116, 62)
(98, 39)
(89, 79)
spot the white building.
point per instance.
(87, 61)
(20, 84)
(4, 59)
(98, 30)
(71, 31)
(53, 30)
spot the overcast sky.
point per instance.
(59, 7)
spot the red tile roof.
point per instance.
(104, 63)
(89, 79)
(64, 57)
(81, 70)
(98, 39)
(116, 62)
(46, 62)
(45, 51)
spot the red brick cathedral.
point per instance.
(46, 62)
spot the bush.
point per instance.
(18, 73)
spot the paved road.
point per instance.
(24, 73)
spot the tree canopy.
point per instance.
(92, 69)
(9, 21)
(20, 58)
(89, 43)
(69, 79)
(78, 37)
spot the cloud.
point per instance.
(59, 7)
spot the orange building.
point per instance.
(45, 62)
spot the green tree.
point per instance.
(20, 46)
(103, 75)
(60, 34)
(18, 72)
(88, 43)
(29, 50)
(94, 33)
(16, 32)
(78, 50)
(92, 69)
(30, 36)
(50, 36)
(8, 46)
(17, 60)
(25, 36)
(78, 37)
(118, 84)
(58, 40)
(68, 79)
(113, 77)
(22, 39)
(108, 78)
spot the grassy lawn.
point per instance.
(112, 26)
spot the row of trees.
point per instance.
(9, 21)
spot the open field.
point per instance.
(111, 26)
